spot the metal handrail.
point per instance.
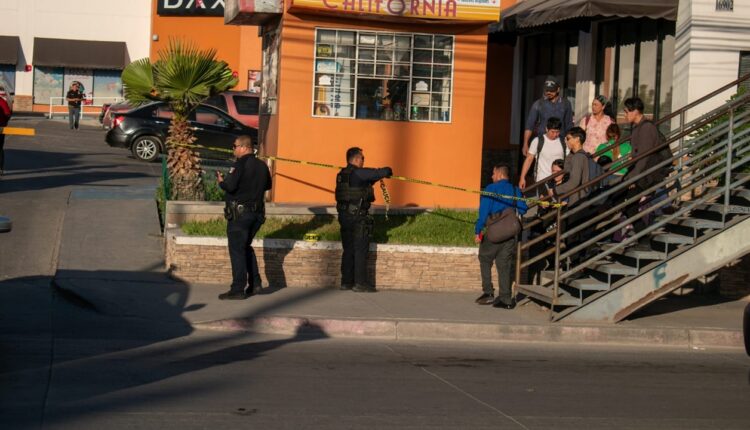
(730, 149)
(679, 112)
(693, 126)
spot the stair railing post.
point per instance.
(682, 139)
(728, 177)
(556, 285)
(519, 255)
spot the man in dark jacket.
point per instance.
(644, 137)
(354, 194)
(244, 188)
(551, 105)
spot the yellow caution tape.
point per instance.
(18, 131)
(543, 203)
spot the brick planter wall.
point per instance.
(289, 263)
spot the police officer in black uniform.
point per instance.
(354, 194)
(244, 188)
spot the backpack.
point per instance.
(539, 147)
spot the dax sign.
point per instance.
(190, 7)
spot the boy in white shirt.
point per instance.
(545, 149)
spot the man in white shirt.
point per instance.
(545, 149)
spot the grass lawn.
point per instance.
(440, 227)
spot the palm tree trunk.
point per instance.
(184, 164)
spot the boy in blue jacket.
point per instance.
(503, 254)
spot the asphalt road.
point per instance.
(41, 172)
(64, 365)
(75, 369)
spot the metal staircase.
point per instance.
(700, 223)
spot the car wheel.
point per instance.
(146, 148)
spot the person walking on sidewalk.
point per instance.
(244, 187)
(74, 97)
(501, 254)
(5, 114)
(354, 194)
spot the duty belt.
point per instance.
(351, 209)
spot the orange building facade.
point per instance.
(202, 23)
(403, 81)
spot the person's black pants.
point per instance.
(503, 255)
(2, 152)
(240, 234)
(356, 231)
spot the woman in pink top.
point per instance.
(595, 124)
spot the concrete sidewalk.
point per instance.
(114, 263)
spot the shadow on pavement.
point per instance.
(98, 338)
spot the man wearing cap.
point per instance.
(551, 105)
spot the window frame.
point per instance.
(410, 79)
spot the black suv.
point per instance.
(144, 130)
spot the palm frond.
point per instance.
(138, 83)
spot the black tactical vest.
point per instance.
(348, 195)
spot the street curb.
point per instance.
(482, 332)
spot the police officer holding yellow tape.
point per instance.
(244, 188)
(354, 194)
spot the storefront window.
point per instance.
(8, 77)
(635, 60)
(48, 84)
(385, 76)
(100, 86)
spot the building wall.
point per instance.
(105, 20)
(441, 152)
(707, 49)
(239, 46)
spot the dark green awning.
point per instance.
(532, 13)
(9, 47)
(85, 54)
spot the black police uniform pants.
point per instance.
(355, 239)
(503, 255)
(2, 152)
(240, 234)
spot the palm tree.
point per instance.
(182, 76)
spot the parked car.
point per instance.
(242, 105)
(5, 224)
(109, 109)
(144, 131)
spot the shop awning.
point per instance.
(9, 46)
(86, 54)
(532, 13)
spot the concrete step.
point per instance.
(588, 284)
(546, 295)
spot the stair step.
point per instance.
(616, 269)
(673, 239)
(719, 208)
(698, 223)
(589, 284)
(546, 295)
(741, 192)
(642, 253)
